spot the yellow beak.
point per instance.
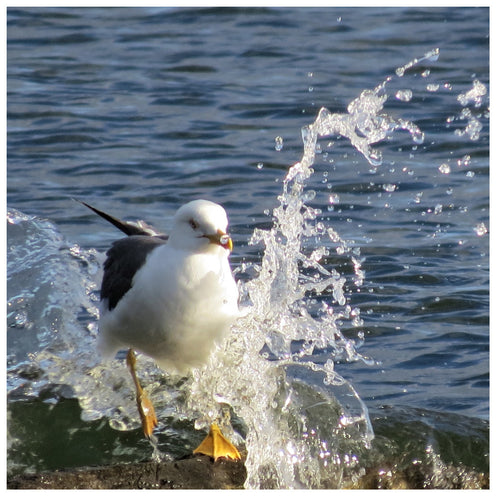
(222, 239)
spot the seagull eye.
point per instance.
(193, 224)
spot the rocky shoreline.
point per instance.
(198, 472)
(201, 472)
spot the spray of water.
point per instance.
(276, 378)
(304, 422)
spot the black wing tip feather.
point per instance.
(129, 228)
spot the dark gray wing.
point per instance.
(126, 256)
(124, 259)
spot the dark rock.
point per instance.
(420, 476)
(199, 472)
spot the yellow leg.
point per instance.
(144, 405)
(217, 446)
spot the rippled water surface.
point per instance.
(137, 110)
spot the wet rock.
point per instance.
(420, 476)
(199, 472)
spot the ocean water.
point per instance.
(361, 231)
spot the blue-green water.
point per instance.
(138, 110)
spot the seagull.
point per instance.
(172, 298)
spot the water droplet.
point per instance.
(418, 197)
(444, 168)
(418, 136)
(404, 95)
(375, 158)
(389, 187)
(480, 229)
(438, 209)
(464, 161)
(260, 166)
(432, 87)
(278, 143)
(400, 71)
(333, 199)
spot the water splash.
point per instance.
(49, 288)
(276, 378)
(298, 433)
(474, 95)
(431, 56)
(52, 324)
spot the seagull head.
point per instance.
(199, 224)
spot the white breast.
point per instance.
(180, 304)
